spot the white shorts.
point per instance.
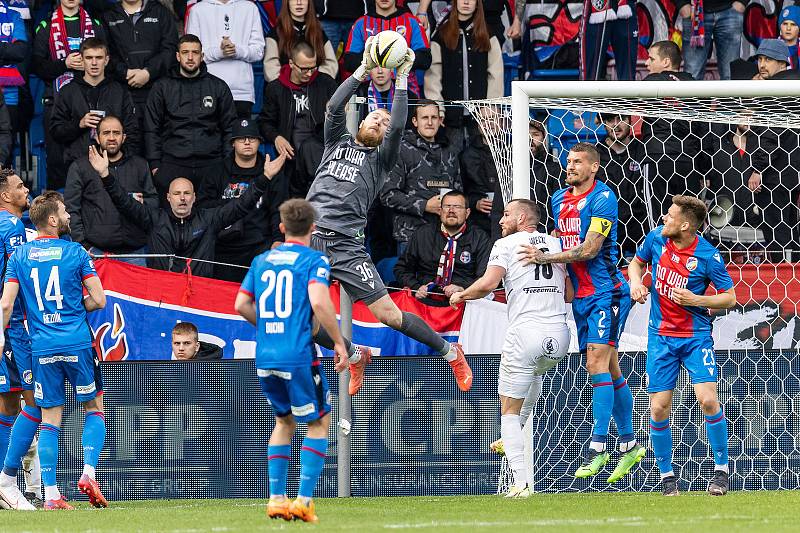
(529, 351)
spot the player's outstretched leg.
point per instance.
(358, 356)
(94, 436)
(22, 434)
(413, 326)
(622, 412)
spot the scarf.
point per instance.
(375, 100)
(9, 74)
(698, 39)
(608, 10)
(447, 261)
(59, 40)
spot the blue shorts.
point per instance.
(665, 355)
(52, 371)
(18, 361)
(299, 391)
(600, 318)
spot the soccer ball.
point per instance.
(388, 49)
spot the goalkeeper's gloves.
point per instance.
(404, 68)
(367, 63)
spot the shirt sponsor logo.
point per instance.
(282, 257)
(45, 254)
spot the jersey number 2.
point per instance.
(281, 284)
(52, 292)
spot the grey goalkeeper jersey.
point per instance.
(351, 176)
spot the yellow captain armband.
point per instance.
(600, 225)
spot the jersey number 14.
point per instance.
(52, 293)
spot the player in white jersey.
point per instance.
(537, 337)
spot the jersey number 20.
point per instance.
(52, 292)
(281, 285)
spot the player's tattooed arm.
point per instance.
(96, 297)
(585, 251)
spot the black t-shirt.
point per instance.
(303, 125)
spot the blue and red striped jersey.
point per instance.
(12, 234)
(576, 215)
(693, 268)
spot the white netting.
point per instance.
(742, 156)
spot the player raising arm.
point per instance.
(283, 290)
(679, 334)
(49, 274)
(349, 178)
(537, 337)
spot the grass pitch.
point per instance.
(751, 511)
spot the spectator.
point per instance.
(611, 24)
(447, 255)
(232, 38)
(96, 223)
(187, 121)
(6, 132)
(338, 19)
(55, 61)
(773, 61)
(493, 13)
(297, 21)
(672, 146)
(711, 21)
(14, 52)
(81, 104)
(621, 158)
(379, 93)
(186, 344)
(426, 168)
(479, 175)
(239, 243)
(293, 115)
(789, 30)
(182, 230)
(547, 174)
(386, 16)
(142, 39)
(464, 32)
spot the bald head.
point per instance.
(181, 197)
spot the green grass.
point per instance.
(752, 511)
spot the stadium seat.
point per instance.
(567, 129)
(386, 269)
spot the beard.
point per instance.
(113, 150)
(63, 228)
(369, 138)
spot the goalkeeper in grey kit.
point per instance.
(349, 178)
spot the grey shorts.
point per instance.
(351, 266)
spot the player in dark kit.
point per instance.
(349, 178)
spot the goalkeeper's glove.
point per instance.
(367, 63)
(404, 68)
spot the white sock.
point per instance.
(722, 468)
(597, 446)
(450, 356)
(625, 447)
(7, 480)
(88, 470)
(51, 493)
(511, 433)
(356, 357)
(33, 470)
(534, 393)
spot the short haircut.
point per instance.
(185, 328)
(586, 148)
(110, 117)
(424, 102)
(302, 47)
(669, 50)
(693, 208)
(5, 173)
(453, 194)
(90, 43)
(608, 117)
(530, 208)
(538, 126)
(44, 206)
(189, 38)
(297, 216)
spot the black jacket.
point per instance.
(278, 113)
(208, 352)
(6, 140)
(418, 265)
(43, 64)
(76, 99)
(188, 118)
(671, 137)
(480, 178)
(260, 226)
(94, 219)
(547, 176)
(194, 236)
(148, 40)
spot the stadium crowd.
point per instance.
(170, 94)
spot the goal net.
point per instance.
(737, 147)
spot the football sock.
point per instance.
(717, 430)
(322, 338)
(602, 404)
(48, 455)
(623, 414)
(22, 435)
(511, 433)
(6, 423)
(94, 436)
(33, 472)
(661, 440)
(312, 459)
(278, 466)
(534, 393)
(416, 328)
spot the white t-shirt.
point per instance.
(535, 293)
